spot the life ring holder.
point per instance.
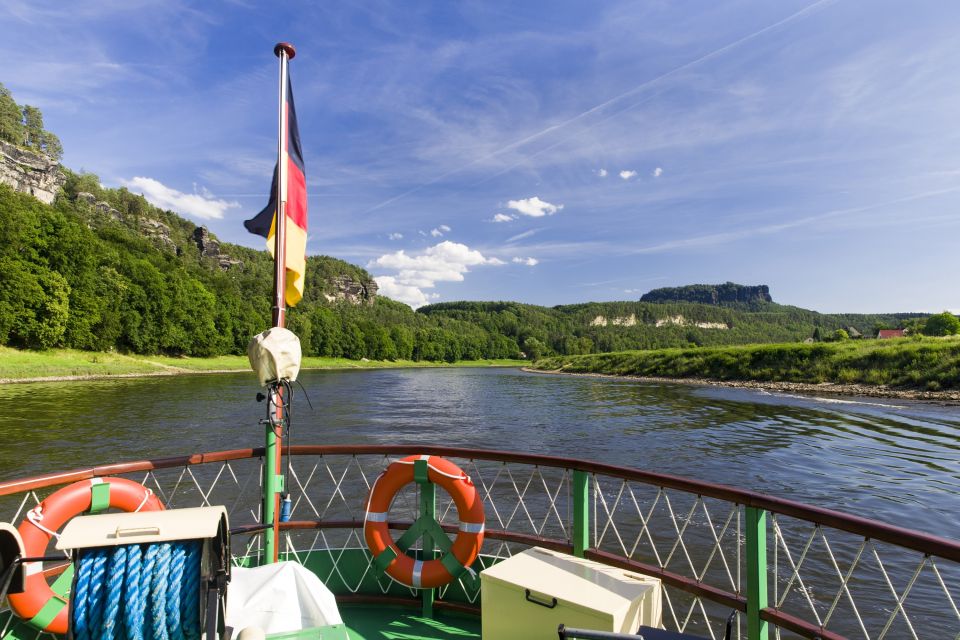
(390, 556)
(38, 604)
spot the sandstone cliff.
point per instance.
(29, 172)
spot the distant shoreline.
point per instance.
(821, 389)
(68, 365)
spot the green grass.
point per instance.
(18, 365)
(912, 363)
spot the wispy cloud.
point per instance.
(534, 207)
(443, 262)
(602, 173)
(202, 204)
(627, 174)
(396, 236)
(502, 217)
(530, 262)
(657, 172)
(521, 236)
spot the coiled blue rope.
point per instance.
(138, 592)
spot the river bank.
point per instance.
(915, 369)
(820, 389)
(64, 365)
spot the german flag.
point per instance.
(294, 193)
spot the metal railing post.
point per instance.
(581, 512)
(428, 508)
(756, 535)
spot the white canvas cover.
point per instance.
(278, 598)
(275, 355)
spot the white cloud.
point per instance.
(443, 262)
(602, 173)
(444, 228)
(198, 205)
(436, 233)
(657, 172)
(530, 262)
(396, 236)
(408, 294)
(502, 217)
(626, 175)
(534, 207)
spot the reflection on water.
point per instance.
(898, 462)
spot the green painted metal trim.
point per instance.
(757, 594)
(432, 534)
(271, 535)
(421, 471)
(581, 512)
(281, 483)
(61, 586)
(384, 558)
(48, 612)
(99, 497)
(451, 564)
(413, 534)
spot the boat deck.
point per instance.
(371, 622)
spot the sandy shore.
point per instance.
(823, 389)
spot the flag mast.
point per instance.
(272, 482)
(285, 52)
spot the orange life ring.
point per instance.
(466, 546)
(38, 604)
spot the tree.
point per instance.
(942, 324)
(817, 334)
(533, 348)
(840, 335)
(11, 118)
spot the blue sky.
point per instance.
(542, 152)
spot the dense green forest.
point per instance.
(102, 269)
(80, 275)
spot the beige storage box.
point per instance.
(528, 596)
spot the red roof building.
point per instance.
(891, 333)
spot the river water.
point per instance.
(894, 461)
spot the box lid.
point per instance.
(112, 529)
(588, 584)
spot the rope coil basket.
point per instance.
(138, 591)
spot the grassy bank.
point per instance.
(70, 363)
(931, 364)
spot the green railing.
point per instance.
(789, 570)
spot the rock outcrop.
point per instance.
(209, 247)
(101, 206)
(352, 291)
(29, 172)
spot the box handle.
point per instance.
(137, 531)
(548, 605)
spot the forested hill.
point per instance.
(617, 326)
(102, 269)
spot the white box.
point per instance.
(530, 594)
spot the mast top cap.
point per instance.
(286, 47)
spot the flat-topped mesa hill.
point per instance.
(728, 293)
